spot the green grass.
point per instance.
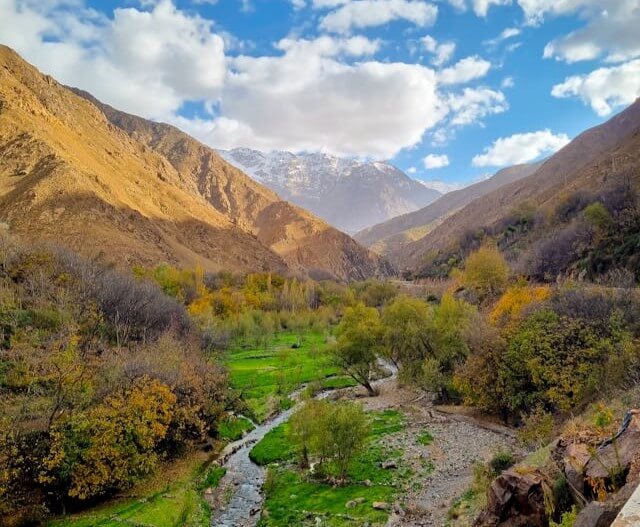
(266, 376)
(233, 428)
(425, 438)
(292, 498)
(274, 447)
(177, 504)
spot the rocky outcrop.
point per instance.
(515, 500)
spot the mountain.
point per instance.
(149, 194)
(598, 159)
(389, 237)
(349, 194)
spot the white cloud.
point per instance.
(505, 34)
(146, 62)
(520, 148)
(611, 28)
(358, 14)
(507, 82)
(481, 7)
(412, 170)
(306, 99)
(605, 88)
(474, 104)
(465, 70)
(433, 161)
(309, 95)
(442, 53)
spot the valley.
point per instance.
(182, 346)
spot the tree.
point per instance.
(486, 271)
(333, 433)
(406, 322)
(358, 341)
(349, 428)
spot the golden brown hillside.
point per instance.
(303, 240)
(68, 175)
(596, 157)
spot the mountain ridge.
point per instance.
(347, 193)
(69, 175)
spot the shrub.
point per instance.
(501, 461)
(485, 271)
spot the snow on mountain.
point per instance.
(348, 193)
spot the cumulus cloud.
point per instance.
(442, 53)
(481, 7)
(605, 88)
(306, 99)
(323, 94)
(465, 70)
(435, 161)
(610, 29)
(146, 62)
(474, 104)
(358, 14)
(520, 148)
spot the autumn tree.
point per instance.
(485, 271)
(358, 342)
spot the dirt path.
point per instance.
(458, 442)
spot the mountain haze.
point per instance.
(147, 194)
(387, 238)
(347, 193)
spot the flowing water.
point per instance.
(238, 498)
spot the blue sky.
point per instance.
(448, 90)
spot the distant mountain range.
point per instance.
(349, 194)
(389, 237)
(130, 191)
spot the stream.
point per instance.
(238, 495)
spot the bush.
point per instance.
(501, 461)
(485, 271)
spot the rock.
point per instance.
(208, 491)
(367, 482)
(390, 463)
(351, 504)
(359, 500)
(595, 514)
(381, 505)
(602, 514)
(614, 458)
(576, 457)
(515, 500)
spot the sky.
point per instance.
(449, 91)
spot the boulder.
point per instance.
(351, 504)
(602, 514)
(614, 458)
(390, 463)
(381, 505)
(515, 500)
(576, 457)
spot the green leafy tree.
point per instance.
(358, 342)
(406, 326)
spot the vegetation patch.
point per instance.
(234, 428)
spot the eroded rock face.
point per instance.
(515, 500)
(602, 514)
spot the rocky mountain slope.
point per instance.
(69, 175)
(602, 156)
(389, 237)
(347, 193)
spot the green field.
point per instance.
(294, 498)
(266, 376)
(172, 499)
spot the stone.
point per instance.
(515, 500)
(351, 504)
(617, 455)
(576, 457)
(381, 505)
(390, 463)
